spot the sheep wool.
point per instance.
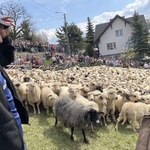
(74, 114)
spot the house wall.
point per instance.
(110, 36)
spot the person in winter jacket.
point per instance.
(143, 141)
(12, 111)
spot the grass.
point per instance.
(41, 134)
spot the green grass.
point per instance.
(43, 135)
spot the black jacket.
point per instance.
(10, 136)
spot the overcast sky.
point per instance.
(46, 19)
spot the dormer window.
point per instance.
(119, 32)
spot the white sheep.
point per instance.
(34, 95)
(101, 99)
(48, 98)
(111, 97)
(133, 112)
(21, 89)
(120, 100)
(84, 101)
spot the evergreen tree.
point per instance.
(90, 38)
(139, 37)
(74, 36)
(26, 30)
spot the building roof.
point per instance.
(101, 28)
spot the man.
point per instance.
(12, 111)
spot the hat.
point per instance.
(6, 22)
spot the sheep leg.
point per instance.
(104, 119)
(133, 122)
(107, 118)
(118, 120)
(33, 107)
(26, 105)
(85, 139)
(92, 128)
(133, 125)
(71, 136)
(56, 121)
(113, 115)
(47, 111)
(38, 107)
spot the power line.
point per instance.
(43, 6)
(53, 12)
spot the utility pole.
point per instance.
(67, 38)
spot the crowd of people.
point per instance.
(33, 47)
(35, 60)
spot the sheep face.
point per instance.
(111, 94)
(56, 88)
(134, 97)
(126, 96)
(93, 116)
(30, 87)
(102, 99)
(73, 93)
(90, 96)
(86, 88)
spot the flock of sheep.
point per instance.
(81, 96)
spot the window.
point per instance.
(111, 46)
(119, 32)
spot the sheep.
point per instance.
(84, 101)
(76, 96)
(120, 100)
(34, 95)
(101, 100)
(74, 114)
(111, 97)
(22, 93)
(48, 97)
(135, 96)
(56, 87)
(145, 98)
(91, 95)
(133, 112)
(63, 90)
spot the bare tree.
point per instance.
(18, 13)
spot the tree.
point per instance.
(74, 35)
(20, 16)
(139, 37)
(90, 38)
(26, 30)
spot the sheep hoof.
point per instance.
(86, 141)
(71, 138)
(92, 132)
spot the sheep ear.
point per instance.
(50, 96)
(69, 90)
(119, 92)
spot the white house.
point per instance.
(113, 37)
